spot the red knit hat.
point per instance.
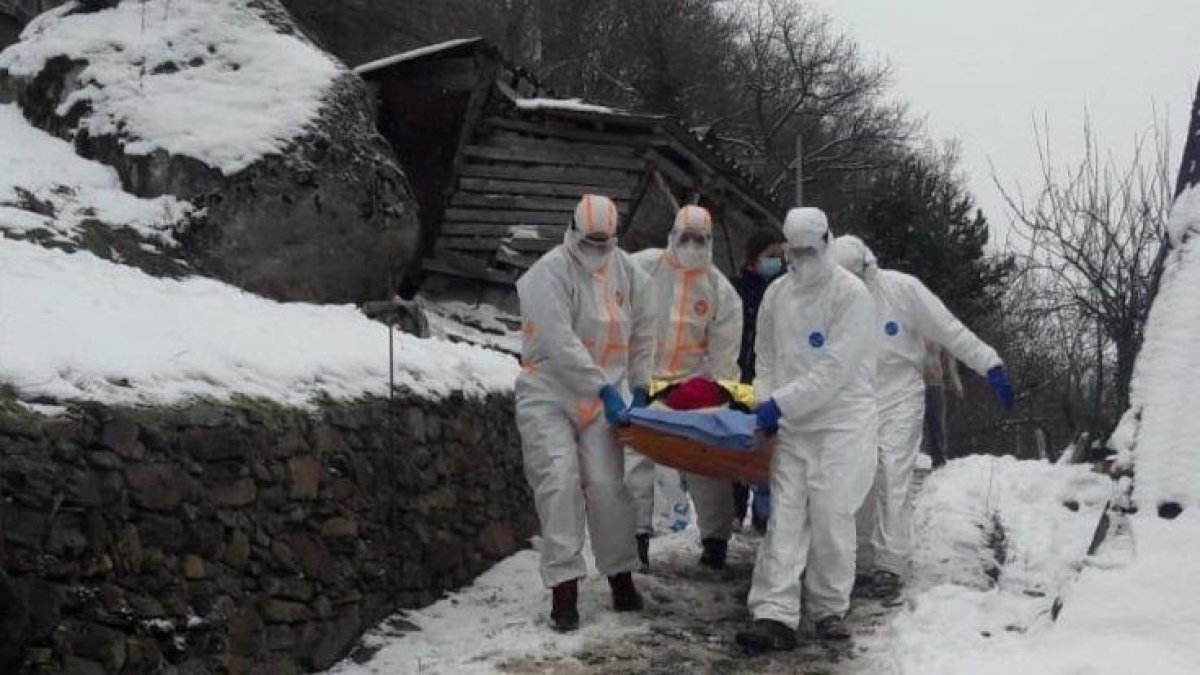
(695, 393)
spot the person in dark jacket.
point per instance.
(761, 264)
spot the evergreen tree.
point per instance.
(919, 218)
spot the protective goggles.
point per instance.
(694, 237)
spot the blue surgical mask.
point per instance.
(770, 267)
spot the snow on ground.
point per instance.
(479, 324)
(499, 624)
(210, 79)
(73, 326)
(48, 172)
(958, 621)
(1135, 611)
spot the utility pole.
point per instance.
(798, 165)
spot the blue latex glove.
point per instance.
(641, 398)
(614, 406)
(998, 380)
(768, 415)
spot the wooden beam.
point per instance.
(558, 158)
(514, 217)
(661, 184)
(671, 169)
(518, 202)
(520, 142)
(553, 174)
(475, 229)
(493, 243)
(572, 132)
(522, 187)
(447, 262)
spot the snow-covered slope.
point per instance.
(210, 79)
(997, 540)
(73, 326)
(1162, 427)
(46, 188)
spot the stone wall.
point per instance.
(244, 537)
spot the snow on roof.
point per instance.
(47, 170)
(569, 104)
(210, 79)
(1166, 439)
(414, 54)
(73, 326)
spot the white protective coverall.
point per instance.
(587, 321)
(815, 359)
(699, 335)
(906, 315)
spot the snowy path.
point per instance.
(498, 625)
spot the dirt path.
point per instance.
(691, 618)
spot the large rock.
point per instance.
(329, 218)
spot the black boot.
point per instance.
(765, 635)
(887, 587)
(760, 524)
(863, 586)
(714, 553)
(832, 627)
(564, 612)
(625, 596)
(643, 552)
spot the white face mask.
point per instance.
(592, 255)
(692, 255)
(803, 263)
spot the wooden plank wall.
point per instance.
(518, 183)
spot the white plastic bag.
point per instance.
(672, 508)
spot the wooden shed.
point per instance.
(498, 164)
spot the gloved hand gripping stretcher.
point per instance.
(701, 427)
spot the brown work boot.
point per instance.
(564, 610)
(625, 596)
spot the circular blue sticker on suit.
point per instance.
(816, 339)
(891, 328)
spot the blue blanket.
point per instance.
(726, 429)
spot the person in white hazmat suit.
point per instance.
(906, 315)
(588, 325)
(699, 335)
(814, 365)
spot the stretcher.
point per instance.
(692, 456)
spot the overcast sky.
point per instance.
(982, 70)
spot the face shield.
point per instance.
(690, 242)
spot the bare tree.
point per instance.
(804, 78)
(1091, 234)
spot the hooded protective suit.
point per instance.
(699, 334)
(587, 321)
(815, 359)
(906, 314)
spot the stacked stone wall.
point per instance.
(244, 537)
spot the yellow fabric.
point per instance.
(742, 393)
